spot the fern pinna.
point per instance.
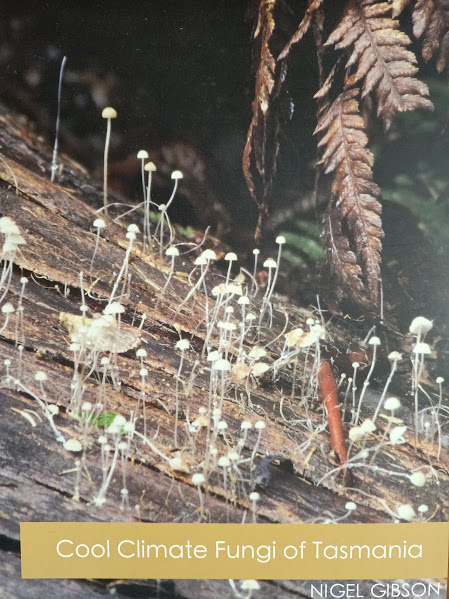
(372, 68)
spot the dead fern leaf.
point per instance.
(352, 224)
(303, 28)
(431, 22)
(379, 55)
(344, 272)
(270, 105)
(397, 6)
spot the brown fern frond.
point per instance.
(303, 28)
(344, 273)
(353, 228)
(379, 55)
(270, 105)
(397, 6)
(431, 22)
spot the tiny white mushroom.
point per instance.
(182, 344)
(250, 585)
(392, 403)
(422, 349)
(420, 326)
(259, 369)
(73, 445)
(418, 479)
(198, 479)
(397, 435)
(406, 512)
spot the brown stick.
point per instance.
(328, 395)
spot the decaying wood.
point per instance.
(37, 478)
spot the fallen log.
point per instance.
(289, 460)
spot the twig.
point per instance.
(328, 395)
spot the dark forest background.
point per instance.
(180, 76)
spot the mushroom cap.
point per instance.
(142, 154)
(73, 445)
(114, 308)
(418, 479)
(198, 478)
(250, 585)
(392, 403)
(397, 435)
(422, 348)
(270, 263)
(209, 255)
(99, 223)
(109, 113)
(150, 166)
(406, 512)
(222, 365)
(177, 175)
(259, 368)
(420, 325)
(257, 352)
(368, 426)
(182, 344)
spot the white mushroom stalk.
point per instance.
(131, 235)
(99, 224)
(280, 240)
(270, 264)
(256, 253)
(142, 155)
(183, 345)
(198, 479)
(13, 239)
(172, 252)
(150, 168)
(109, 114)
(419, 352)
(394, 358)
(7, 310)
(204, 260)
(176, 176)
(20, 335)
(375, 342)
(54, 164)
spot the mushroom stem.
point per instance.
(108, 113)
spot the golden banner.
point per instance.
(245, 551)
